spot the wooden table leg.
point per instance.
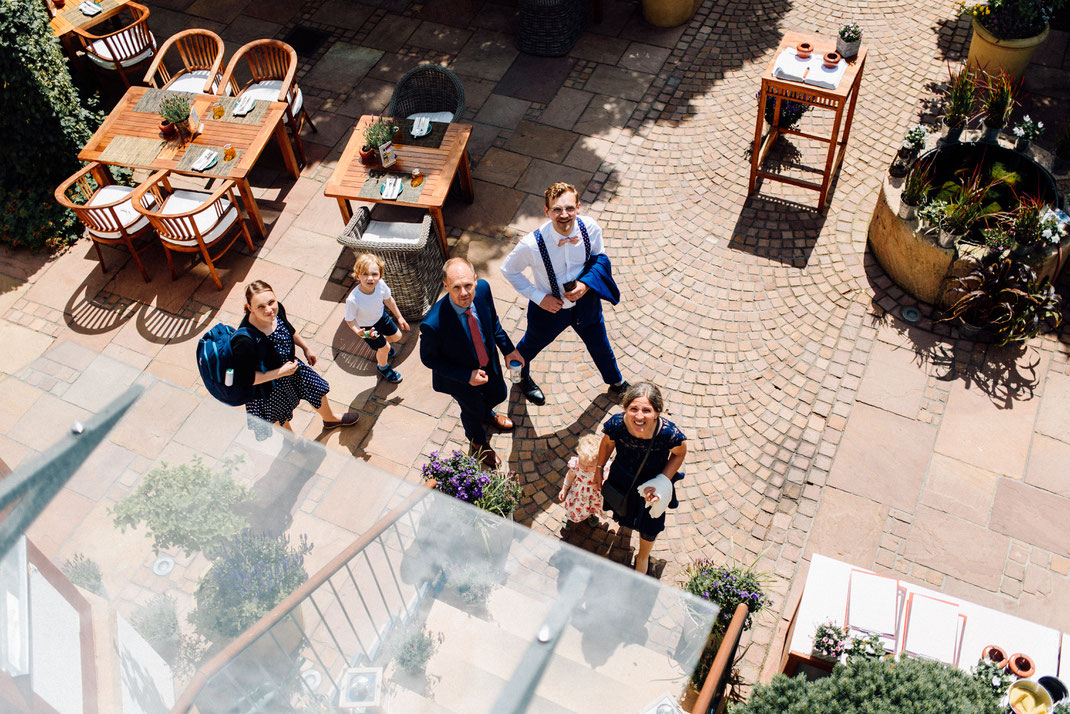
(466, 178)
(827, 179)
(755, 157)
(346, 209)
(251, 208)
(436, 214)
(287, 150)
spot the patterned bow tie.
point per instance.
(573, 241)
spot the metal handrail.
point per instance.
(292, 601)
(713, 685)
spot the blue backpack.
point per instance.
(214, 358)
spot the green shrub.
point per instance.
(84, 573)
(189, 506)
(251, 574)
(43, 126)
(887, 686)
(415, 648)
(157, 622)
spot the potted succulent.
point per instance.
(1006, 33)
(1026, 132)
(849, 40)
(997, 240)
(915, 189)
(931, 215)
(1004, 296)
(913, 143)
(829, 641)
(379, 132)
(997, 103)
(959, 98)
(174, 113)
(188, 506)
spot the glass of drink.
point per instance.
(228, 152)
(417, 177)
(217, 109)
(514, 371)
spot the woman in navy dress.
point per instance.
(268, 359)
(629, 434)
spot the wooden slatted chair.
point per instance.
(123, 49)
(201, 55)
(272, 65)
(106, 212)
(192, 221)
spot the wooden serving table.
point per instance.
(131, 137)
(837, 100)
(970, 627)
(438, 165)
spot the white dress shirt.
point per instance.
(567, 260)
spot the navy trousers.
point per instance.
(586, 319)
(477, 405)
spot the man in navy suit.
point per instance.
(459, 340)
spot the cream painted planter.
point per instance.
(991, 53)
(668, 13)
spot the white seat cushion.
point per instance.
(192, 82)
(394, 232)
(101, 54)
(130, 219)
(269, 90)
(183, 201)
(443, 117)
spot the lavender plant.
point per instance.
(250, 574)
(457, 475)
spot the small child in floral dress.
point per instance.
(581, 497)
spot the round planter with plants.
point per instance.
(1006, 33)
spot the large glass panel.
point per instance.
(414, 602)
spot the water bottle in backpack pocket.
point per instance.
(215, 362)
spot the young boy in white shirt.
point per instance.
(366, 313)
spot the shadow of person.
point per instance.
(276, 493)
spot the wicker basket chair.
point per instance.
(428, 90)
(201, 55)
(106, 211)
(549, 28)
(272, 64)
(123, 49)
(411, 252)
(192, 221)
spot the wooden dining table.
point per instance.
(354, 181)
(130, 136)
(65, 20)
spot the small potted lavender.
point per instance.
(830, 640)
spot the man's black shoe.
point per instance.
(532, 392)
(620, 388)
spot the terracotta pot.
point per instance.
(167, 128)
(995, 655)
(832, 59)
(1021, 665)
(803, 50)
(59, 4)
(367, 155)
(992, 54)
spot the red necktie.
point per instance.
(477, 338)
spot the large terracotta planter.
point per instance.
(668, 13)
(991, 54)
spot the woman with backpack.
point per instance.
(264, 357)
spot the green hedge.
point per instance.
(43, 125)
(884, 686)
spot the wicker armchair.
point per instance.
(412, 253)
(428, 90)
(549, 28)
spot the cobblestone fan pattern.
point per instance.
(774, 333)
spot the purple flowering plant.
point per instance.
(250, 574)
(727, 586)
(457, 475)
(830, 640)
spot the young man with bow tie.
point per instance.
(570, 276)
